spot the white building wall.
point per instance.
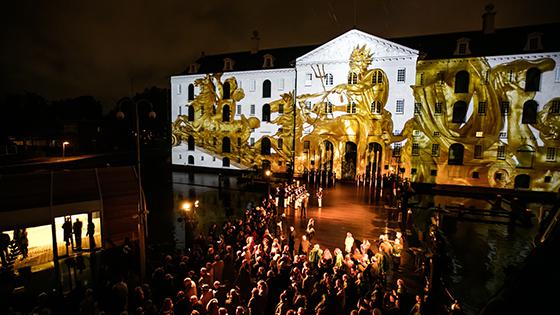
(282, 81)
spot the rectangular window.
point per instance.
(438, 108)
(440, 77)
(238, 113)
(504, 108)
(240, 84)
(413, 171)
(280, 108)
(253, 86)
(433, 172)
(482, 108)
(416, 133)
(401, 75)
(281, 84)
(180, 110)
(328, 107)
(479, 134)
(252, 110)
(179, 89)
(415, 149)
(400, 107)
(397, 149)
(396, 132)
(503, 135)
(202, 110)
(501, 155)
(280, 143)
(510, 75)
(308, 104)
(238, 142)
(551, 154)
(308, 79)
(436, 134)
(478, 151)
(279, 162)
(417, 108)
(557, 76)
(251, 141)
(306, 145)
(435, 149)
(475, 175)
(420, 79)
(554, 108)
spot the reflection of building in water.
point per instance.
(474, 108)
(102, 201)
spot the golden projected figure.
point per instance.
(497, 101)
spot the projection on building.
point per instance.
(475, 122)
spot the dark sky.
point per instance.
(69, 48)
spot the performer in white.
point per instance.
(320, 197)
(348, 242)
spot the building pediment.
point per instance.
(340, 48)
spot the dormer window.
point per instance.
(268, 61)
(534, 42)
(228, 64)
(462, 47)
(193, 68)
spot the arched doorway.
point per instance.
(191, 159)
(225, 162)
(522, 181)
(266, 113)
(374, 154)
(265, 146)
(226, 145)
(225, 113)
(349, 161)
(525, 156)
(227, 88)
(459, 112)
(191, 113)
(328, 157)
(190, 143)
(456, 152)
(530, 109)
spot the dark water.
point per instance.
(481, 253)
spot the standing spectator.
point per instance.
(91, 233)
(77, 227)
(67, 228)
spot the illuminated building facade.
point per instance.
(474, 108)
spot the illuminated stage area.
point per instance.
(361, 106)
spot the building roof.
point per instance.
(507, 41)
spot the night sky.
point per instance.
(63, 49)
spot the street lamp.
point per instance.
(267, 175)
(64, 144)
(188, 213)
(142, 211)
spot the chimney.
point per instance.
(255, 41)
(488, 19)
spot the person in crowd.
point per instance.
(77, 228)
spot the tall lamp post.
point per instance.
(267, 175)
(189, 211)
(64, 144)
(142, 211)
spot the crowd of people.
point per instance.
(251, 265)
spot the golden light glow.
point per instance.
(186, 206)
(345, 122)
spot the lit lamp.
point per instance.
(267, 175)
(142, 211)
(64, 144)
(189, 210)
